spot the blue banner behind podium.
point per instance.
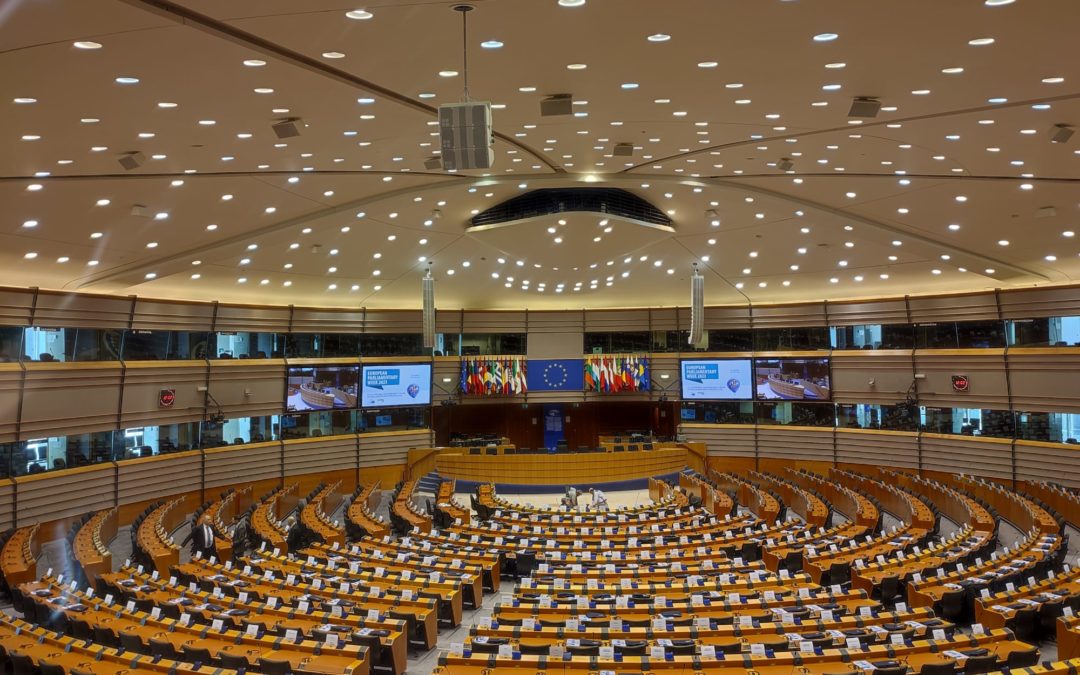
(556, 375)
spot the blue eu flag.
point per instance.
(556, 375)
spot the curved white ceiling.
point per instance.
(954, 186)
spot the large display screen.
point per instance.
(322, 388)
(792, 379)
(717, 380)
(396, 385)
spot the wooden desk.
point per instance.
(265, 520)
(558, 469)
(305, 654)
(154, 535)
(996, 610)
(221, 514)
(1068, 637)
(814, 512)
(391, 649)
(90, 545)
(313, 515)
(403, 508)
(18, 559)
(1062, 500)
(359, 515)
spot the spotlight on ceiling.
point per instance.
(287, 128)
(623, 150)
(131, 160)
(1061, 133)
(433, 163)
(556, 105)
(785, 164)
(864, 106)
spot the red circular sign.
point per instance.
(166, 398)
(960, 382)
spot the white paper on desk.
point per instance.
(506, 651)
(155, 613)
(302, 606)
(659, 623)
(659, 601)
(218, 625)
(252, 630)
(701, 622)
(806, 647)
(978, 629)
(656, 652)
(757, 649)
(853, 643)
(185, 619)
(826, 615)
(901, 607)
(746, 620)
(130, 606)
(939, 634)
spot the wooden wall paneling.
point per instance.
(1045, 379)
(251, 318)
(727, 318)
(249, 463)
(146, 479)
(445, 368)
(11, 377)
(489, 415)
(391, 447)
(958, 307)
(448, 321)
(723, 440)
(494, 322)
(559, 321)
(394, 320)
(318, 455)
(1050, 462)
(852, 371)
(612, 320)
(1030, 303)
(143, 382)
(81, 310)
(990, 457)
(877, 448)
(308, 320)
(167, 315)
(664, 319)
(796, 443)
(855, 313)
(665, 374)
(15, 306)
(61, 399)
(52, 496)
(388, 475)
(7, 504)
(784, 316)
(231, 380)
(984, 367)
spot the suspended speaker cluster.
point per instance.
(428, 286)
(697, 306)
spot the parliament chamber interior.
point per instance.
(524, 337)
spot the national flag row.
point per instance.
(494, 376)
(515, 375)
(615, 373)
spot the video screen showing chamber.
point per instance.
(792, 379)
(322, 388)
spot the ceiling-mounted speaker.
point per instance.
(287, 128)
(697, 307)
(623, 150)
(131, 160)
(1061, 133)
(864, 106)
(432, 163)
(466, 136)
(140, 211)
(428, 291)
(785, 164)
(559, 104)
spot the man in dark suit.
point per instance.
(202, 540)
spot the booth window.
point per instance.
(163, 345)
(806, 338)
(393, 344)
(873, 336)
(72, 344)
(960, 335)
(1057, 331)
(246, 345)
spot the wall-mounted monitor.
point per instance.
(322, 388)
(391, 385)
(717, 380)
(792, 379)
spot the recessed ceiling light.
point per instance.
(263, 90)
(34, 187)
(1068, 233)
(23, 100)
(333, 55)
(571, 3)
(659, 37)
(952, 71)
(981, 42)
(954, 227)
(92, 263)
(86, 44)
(1053, 80)
(708, 64)
(207, 123)
(254, 63)
(448, 73)
(359, 15)
(31, 137)
(825, 37)
(998, 3)
(576, 66)
(1003, 242)
(920, 92)
(491, 44)
(31, 255)
(127, 80)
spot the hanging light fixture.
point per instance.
(428, 291)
